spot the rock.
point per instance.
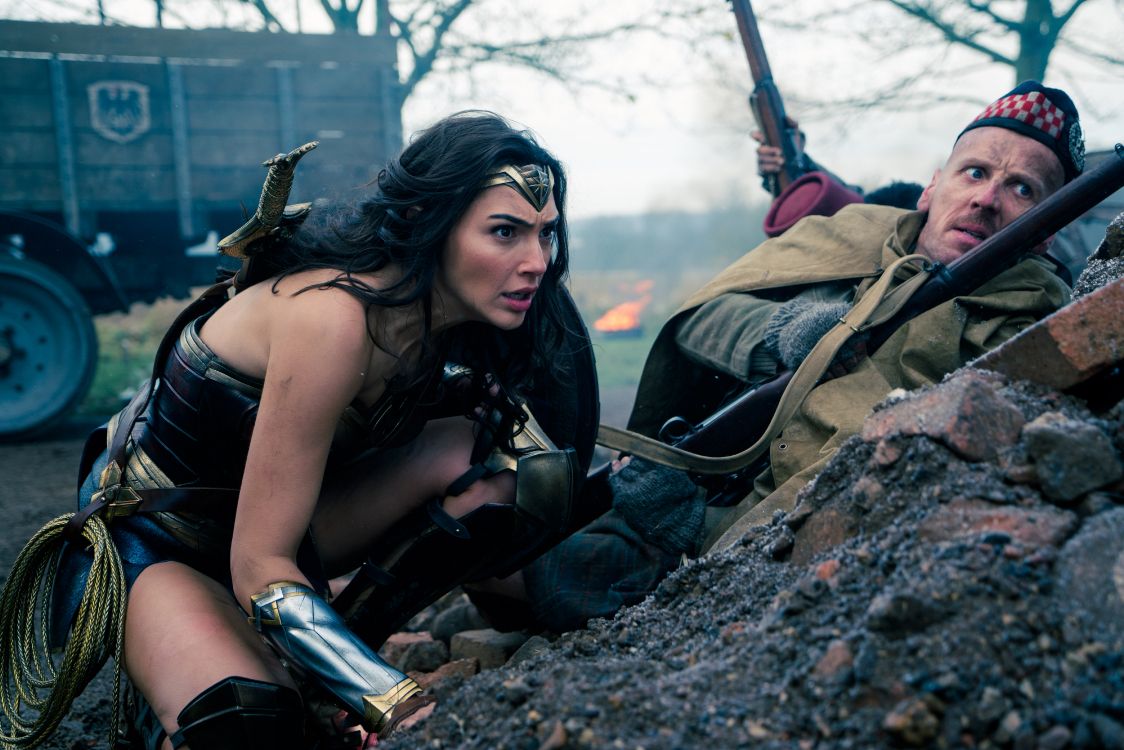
(414, 652)
(899, 613)
(824, 529)
(964, 519)
(911, 722)
(1109, 732)
(463, 668)
(886, 452)
(490, 647)
(1009, 726)
(1071, 457)
(835, 665)
(965, 413)
(458, 617)
(1090, 571)
(827, 570)
(1056, 737)
(534, 646)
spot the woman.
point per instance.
(463, 248)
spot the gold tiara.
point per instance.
(534, 182)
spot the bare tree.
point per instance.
(431, 35)
(935, 43)
(986, 27)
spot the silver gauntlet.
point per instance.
(308, 632)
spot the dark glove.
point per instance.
(798, 325)
(660, 503)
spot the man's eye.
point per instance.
(974, 172)
(1023, 190)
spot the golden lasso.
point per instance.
(35, 695)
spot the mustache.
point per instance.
(983, 219)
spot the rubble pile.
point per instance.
(954, 578)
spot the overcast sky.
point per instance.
(685, 144)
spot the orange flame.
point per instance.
(626, 315)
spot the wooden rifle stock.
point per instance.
(768, 107)
(740, 423)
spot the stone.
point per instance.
(414, 652)
(965, 413)
(1071, 457)
(1090, 571)
(1056, 737)
(1068, 347)
(900, 613)
(824, 529)
(965, 518)
(835, 665)
(827, 570)
(490, 647)
(462, 668)
(912, 723)
(534, 646)
(460, 616)
(886, 453)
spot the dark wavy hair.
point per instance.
(420, 197)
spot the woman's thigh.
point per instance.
(356, 510)
(183, 633)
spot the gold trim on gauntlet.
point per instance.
(312, 635)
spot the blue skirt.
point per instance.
(140, 541)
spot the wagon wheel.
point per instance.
(48, 349)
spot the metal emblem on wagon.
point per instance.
(119, 110)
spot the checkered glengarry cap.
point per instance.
(1044, 114)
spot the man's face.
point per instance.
(993, 176)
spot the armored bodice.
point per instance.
(197, 428)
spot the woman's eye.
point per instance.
(548, 234)
(505, 232)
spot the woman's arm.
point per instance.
(317, 360)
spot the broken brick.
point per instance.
(966, 414)
(1069, 346)
(963, 518)
(823, 530)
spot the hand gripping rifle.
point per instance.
(766, 102)
(717, 445)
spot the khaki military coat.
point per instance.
(855, 244)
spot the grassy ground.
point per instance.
(126, 346)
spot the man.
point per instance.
(766, 311)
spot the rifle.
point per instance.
(766, 102)
(744, 420)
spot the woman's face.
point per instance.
(494, 259)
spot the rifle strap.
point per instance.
(878, 305)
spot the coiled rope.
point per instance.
(35, 695)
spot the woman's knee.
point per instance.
(183, 634)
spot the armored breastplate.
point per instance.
(197, 428)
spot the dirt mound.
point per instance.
(915, 597)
